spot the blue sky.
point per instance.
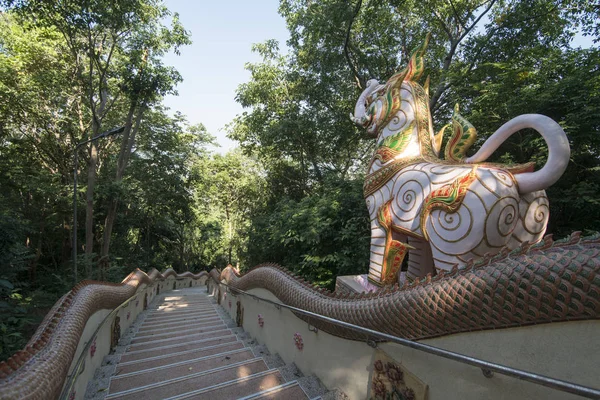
(213, 66)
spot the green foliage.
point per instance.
(69, 71)
(319, 237)
(14, 317)
(229, 189)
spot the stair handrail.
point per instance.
(487, 367)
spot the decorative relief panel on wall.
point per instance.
(391, 380)
(115, 332)
(239, 314)
(298, 341)
(93, 348)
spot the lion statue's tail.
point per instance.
(558, 150)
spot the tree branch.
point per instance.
(454, 42)
(443, 24)
(492, 32)
(470, 28)
(461, 23)
(359, 80)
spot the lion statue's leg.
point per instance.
(387, 252)
(420, 259)
(378, 238)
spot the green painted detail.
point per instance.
(398, 141)
(463, 136)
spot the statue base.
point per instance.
(354, 284)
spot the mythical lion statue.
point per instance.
(445, 212)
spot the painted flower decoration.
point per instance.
(379, 388)
(298, 340)
(394, 373)
(128, 314)
(72, 395)
(378, 366)
(408, 394)
(261, 321)
(93, 348)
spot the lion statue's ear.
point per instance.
(416, 64)
(415, 67)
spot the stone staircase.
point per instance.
(185, 346)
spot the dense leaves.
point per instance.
(321, 236)
(70, 70)
(155, 197)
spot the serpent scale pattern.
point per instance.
(550, 281)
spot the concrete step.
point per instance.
(199, 346)
(178, 320)
(173, 384)
(180, 307)
(183, 299)
(154, 375)
(171, 311)
(166, 317)
(182, 331)
(160, 315)
(172, 326)
(181, 340)
(287, 391)
(237, 388)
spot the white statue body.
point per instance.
(444, 213)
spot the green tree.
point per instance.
(115, 54)
(230, 187)
(319, 237)
(156, 194)
(69, 70)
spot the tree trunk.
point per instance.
(131, 128)
(89, 206)
(38, 252)
(229, 234)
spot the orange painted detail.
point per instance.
(394, 252)
(385, 154)
(447, 198)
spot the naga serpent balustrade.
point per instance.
(39, 370)
(550, 281)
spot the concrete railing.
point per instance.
(80, 329)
